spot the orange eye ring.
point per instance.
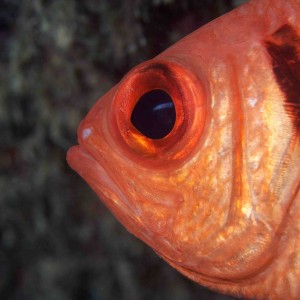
(188, 96)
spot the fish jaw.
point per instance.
(137, 211)
(97, 177)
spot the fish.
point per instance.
(197, 152)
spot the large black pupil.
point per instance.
(154, 114)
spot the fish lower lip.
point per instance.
(95, 174)
(77, 157)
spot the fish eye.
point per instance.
(158, 113)
(154, 114)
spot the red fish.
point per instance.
(197, 152)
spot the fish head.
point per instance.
(184, 151)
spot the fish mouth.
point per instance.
(99, 179)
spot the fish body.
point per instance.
(218, 194)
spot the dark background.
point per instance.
(57, 240)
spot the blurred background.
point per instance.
(57, 240)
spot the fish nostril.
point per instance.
(154, 114)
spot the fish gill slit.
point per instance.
(283, 47)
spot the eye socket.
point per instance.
(154, 114)
(158, 113)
